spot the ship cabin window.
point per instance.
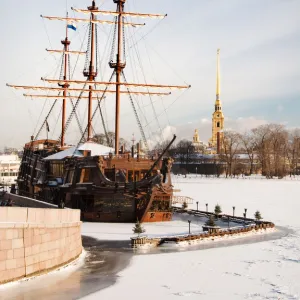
(218, 124)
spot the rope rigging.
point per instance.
(112, 53)
(89, 63)
(49, 112)
(95, 111)
(57, 118)
(136, 50)
(103, 124)
(76, 116)
(137, 117)
(136, 79)
(72, 112)
(97, 48)
(124, 40)
(72, 103)
(61, 74)
(88, 52)
(45, 121)
(101, 114)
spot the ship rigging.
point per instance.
(106, 184)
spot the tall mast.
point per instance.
(91, 73)
(66, 44)
(90, 69)
(218, 81)
(119, 66)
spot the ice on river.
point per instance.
(266, 270)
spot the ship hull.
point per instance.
(105, 189)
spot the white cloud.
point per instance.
(158, 137)
(186, 131)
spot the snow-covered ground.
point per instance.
(123, 231)
(266, 270)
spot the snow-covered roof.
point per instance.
(63, 154)
(96, 149)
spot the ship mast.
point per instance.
(118, 68)
(91, 74)
(65, 85)
(90, 71)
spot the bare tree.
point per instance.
(271, 142)
(100, 139)
(109, 140)
(261, 137)
(161, 146)
(248, 143)
(230, 146)
(184, 151)
(293, 150)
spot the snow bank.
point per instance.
(266, 270)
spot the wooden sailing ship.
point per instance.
(108, 185)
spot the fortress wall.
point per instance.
(37, 240)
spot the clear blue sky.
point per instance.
(260, 63)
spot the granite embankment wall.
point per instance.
(27, 202)
(37, 240)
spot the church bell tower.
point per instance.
(217, 117)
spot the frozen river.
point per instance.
(258, 267)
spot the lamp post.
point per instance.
(197, 205)
(206, 207)
(245, 212)
(233, 210)
(189, 226)
(228, 219)
(244, 219)
(196, 174)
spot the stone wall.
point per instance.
(28, 202)
(37, 240)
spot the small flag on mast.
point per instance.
(72, 25)
(47, 126)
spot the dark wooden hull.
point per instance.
(98, 190)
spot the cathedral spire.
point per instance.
(218, 78)
(217, 117)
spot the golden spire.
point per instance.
(218, 78)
